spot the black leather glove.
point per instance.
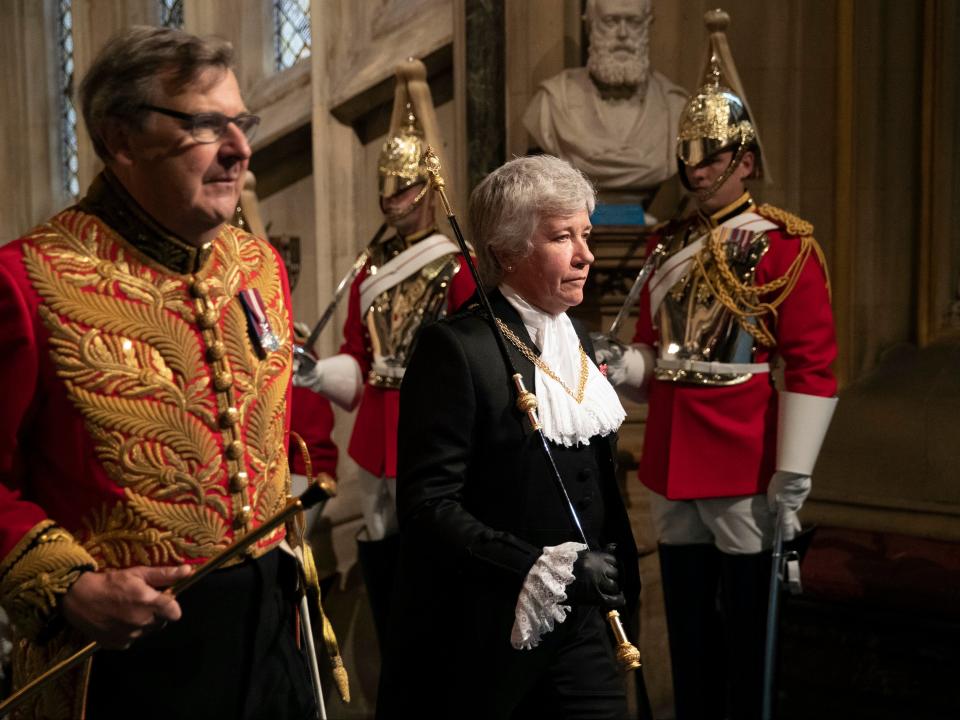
(595, 576)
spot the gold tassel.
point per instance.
(311, 580)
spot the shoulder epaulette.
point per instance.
(800, 228)
(788, 221)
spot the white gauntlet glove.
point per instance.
(628, 366)
(802, 425)
(337, 378)
(789, 490)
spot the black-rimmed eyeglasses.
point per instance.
(208, 127)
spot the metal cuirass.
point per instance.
(396, 315)
(701, 341)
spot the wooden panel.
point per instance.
(542, 38)
(842, 250)
(283, 102)
(31, 187)
(95, 22)
(938, 272)
(248, 24)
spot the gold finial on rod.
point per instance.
(431, 163)
(627, 654)
(526, 402)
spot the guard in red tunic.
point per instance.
(411, 278)
(145, 349)
(738, 288)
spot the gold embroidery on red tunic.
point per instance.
(125, 341)
(43, 564)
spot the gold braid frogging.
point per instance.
(544, 368)
(741, 298)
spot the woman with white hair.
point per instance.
(500, 609)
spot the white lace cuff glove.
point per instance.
(539, 606)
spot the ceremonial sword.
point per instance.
(627, 655)
(341, 287)
(631, 300)
(316, 493)
(781, 563)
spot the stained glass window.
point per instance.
(291, 31)
(70, 162)
(171, 13)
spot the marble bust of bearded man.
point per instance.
(616, 119)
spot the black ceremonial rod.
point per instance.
(627, 655)
(316, 493)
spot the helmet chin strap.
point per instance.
(392, 217)
(704, 195)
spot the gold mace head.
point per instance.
(431, 164)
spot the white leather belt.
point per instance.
(387, 371)
(713, 368)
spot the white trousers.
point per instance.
(741, 525)
(378, 503)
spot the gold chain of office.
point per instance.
(544, 368)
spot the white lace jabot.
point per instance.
(566, 422)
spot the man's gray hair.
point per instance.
(507, 206)
(128, 70)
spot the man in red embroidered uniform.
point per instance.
(146, 346)
(410, 279)
(737, 287)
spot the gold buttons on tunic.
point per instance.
(200, 289)
(229, 417)
(207, 319)
(238, 481)
(216, 351)
(222, 380)
(242, 517)
(234, 450)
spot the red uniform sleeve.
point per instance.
(39, 561)
(18, 368)
(462, 287)
(312, 419)
(804, 326)
(355, 340)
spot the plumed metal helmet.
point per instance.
(713, 120)
(717, 117)
(413, 126)
(399, 163)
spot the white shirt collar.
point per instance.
(565, 421)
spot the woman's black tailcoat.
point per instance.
(477, 504)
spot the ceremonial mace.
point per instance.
(627, 655)
(316, 493)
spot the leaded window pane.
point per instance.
(171, 13)
(291, 31)
(70, 162)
